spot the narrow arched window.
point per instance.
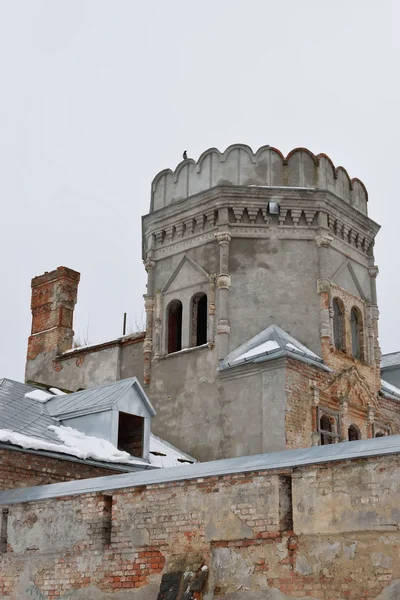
(355, 325)
(174, 319)
(338, 329)
(325, 426)
(353, 433)
(199, 319)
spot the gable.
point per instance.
(350, 386)
(346, 278)
(188, 273)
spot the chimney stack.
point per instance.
(53, 300)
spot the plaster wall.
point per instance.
(274, 282)
(326, 532)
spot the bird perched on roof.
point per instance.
(184, 155)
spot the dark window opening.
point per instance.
(353, 433)
(199, 320)
(174, 326)
(325, 426)
(338, 329)
(380, 434)
(355, 323)
(130, 434)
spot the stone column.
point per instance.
(323, 242)
(223, 285)
(344, 408)
(149, 308)
(373, 329)
(211, 313)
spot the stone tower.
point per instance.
(237, 242)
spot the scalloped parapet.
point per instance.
(267, 167)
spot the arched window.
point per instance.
(325, 426)
(353, 433)
(338, 324)
(174, 319)
(199, 319)
(356, 329)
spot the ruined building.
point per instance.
(261, 348)
(261, 304)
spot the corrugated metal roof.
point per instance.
(390, 360)
(274, 460)
(23, 415)
(94, 399)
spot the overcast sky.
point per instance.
(98, 96)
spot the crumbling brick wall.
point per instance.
(25, 469)
(326, 532)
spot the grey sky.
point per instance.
(98, 96)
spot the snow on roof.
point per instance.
(388, 387)
(267, 346)
(39, 396)
(163, 454)
(25, 421)
(72, 442)
(273, 342)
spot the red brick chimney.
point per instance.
(53, 301)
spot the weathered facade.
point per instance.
(234, 243)
(276, 527)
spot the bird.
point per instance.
(184, 155)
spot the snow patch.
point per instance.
(57, 392)
(267, 346)
(39, 396)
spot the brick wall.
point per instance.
(23, 469)
(327, 532)
(345, 393)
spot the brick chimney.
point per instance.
(53, 301)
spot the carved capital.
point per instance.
(149, 263)
(148, 303)
(223, 328)
(373, 271)
(147, 346)
(323, 241)
(323, 286)
(223, 237)
(224, 281)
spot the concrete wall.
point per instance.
(322, 532)
(90, 367)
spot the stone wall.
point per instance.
(327, 532)
(26, 469)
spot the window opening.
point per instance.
(353, 433)
(326, 433)
(355, 323)
(130, 433)
(338, 333)
(199, 319)
(174, 326)
(380, 434)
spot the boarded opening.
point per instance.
(130, 434)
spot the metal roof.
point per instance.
(390, 360)
(273, 342)
(261, 462)
(95, 399)
(22, 415)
